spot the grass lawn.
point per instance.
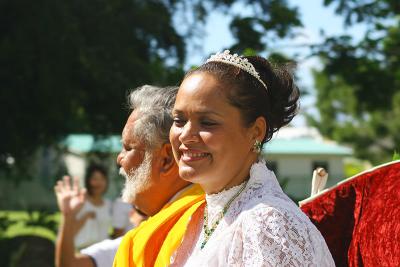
(354, 166)
(20, 228)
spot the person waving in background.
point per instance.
(94, 218)
(225, 111)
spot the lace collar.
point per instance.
(259, 173)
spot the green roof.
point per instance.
(305, 146)
(84, 143)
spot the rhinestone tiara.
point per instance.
(238, 61)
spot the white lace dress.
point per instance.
(263, 227)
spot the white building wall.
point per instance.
(297, 169)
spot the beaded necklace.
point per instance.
(209, 231)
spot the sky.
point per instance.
(315, 17)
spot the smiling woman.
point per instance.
(224, 111)
(209, 135)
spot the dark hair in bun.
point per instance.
(278, 104)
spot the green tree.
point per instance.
(66, 65)
(271, 20)
(358, 88)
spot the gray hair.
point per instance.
(153, 106)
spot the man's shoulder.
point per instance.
(102, 253)
(131, 233)
(105, 245)
(189, 196)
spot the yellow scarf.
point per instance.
(154, 241)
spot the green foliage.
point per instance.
(38, 223)
(358, 94)
(5, 223)
(354, 166)
(66, 66)
(273, 19)
(396, 156)
(42, 219)
(355, 11)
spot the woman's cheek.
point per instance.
(211, 139)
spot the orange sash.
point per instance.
(154, 241)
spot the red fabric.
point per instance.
(360, 218)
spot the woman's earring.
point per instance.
(257, 147)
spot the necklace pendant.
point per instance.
(203, 244)
(209, 231)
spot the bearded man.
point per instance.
(152, 185)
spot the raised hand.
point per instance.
(70, 199)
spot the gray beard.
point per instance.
(137, 180)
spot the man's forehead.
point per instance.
(128, 134)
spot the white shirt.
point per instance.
(103, 252)
(120, 215)
(96, 229)
(262, 227)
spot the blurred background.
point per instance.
(67, 66)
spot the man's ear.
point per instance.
(167, 158)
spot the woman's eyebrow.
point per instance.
(200, 112)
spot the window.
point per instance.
(320, 164)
